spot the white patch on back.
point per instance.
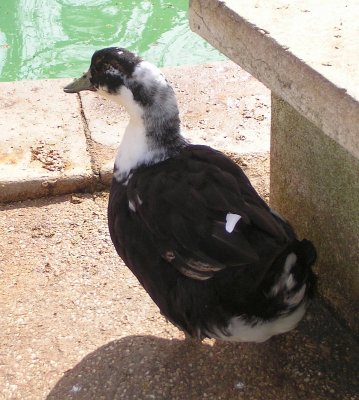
(231, 221)
(240, 330)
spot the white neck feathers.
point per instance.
(138, 147)
(134, 149)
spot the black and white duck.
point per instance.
(216, 260)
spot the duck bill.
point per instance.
(80, 84)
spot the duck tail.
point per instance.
(307, 255)
(306, 252)
(296, 282)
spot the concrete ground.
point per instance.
(75, 323)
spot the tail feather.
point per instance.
(306, 252)
(303, 272)
(296, 279)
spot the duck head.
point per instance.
(109, 70)
(153, 132)
(115, 71)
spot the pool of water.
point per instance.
(56, 38)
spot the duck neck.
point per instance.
(152, 134)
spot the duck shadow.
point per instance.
(309, 363)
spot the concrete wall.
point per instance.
(315, 185)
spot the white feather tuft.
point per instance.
(241, 330)
(231, 221)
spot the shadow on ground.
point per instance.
(317, 361)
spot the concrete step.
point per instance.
(76, 324)
(43, 148)
(53, 143)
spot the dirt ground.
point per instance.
(75, 323)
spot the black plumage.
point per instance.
(185, 219)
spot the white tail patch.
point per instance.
(290, 283)
(241, 330)
(297, 297)
(231, 221)
(289, 262)
(286, 283)
(286, 280)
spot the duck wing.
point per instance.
(204, 215)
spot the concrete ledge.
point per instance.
(315, 185)
(43, 186)
(306, 52)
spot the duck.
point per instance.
(215, 258)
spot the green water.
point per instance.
(56, 38)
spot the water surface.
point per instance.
(56, 38)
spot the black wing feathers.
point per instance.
(184, 201)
